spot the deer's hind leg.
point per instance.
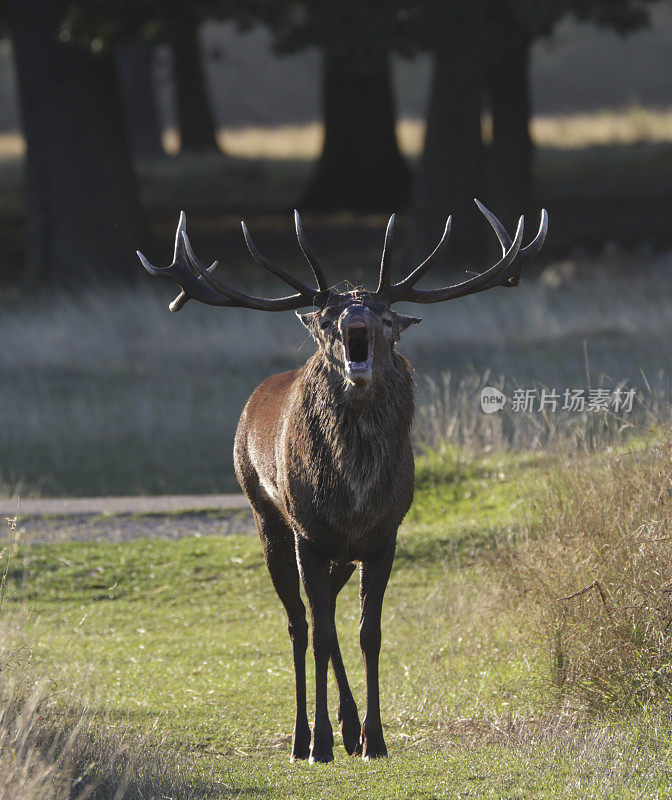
(279, 550)
(348, 717)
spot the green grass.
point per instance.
(187, 638)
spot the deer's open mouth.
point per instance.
(358, 353)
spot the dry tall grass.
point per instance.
(595, 570)
(52, 751)
(450, 415)
(107, 392)
(54, 745)
(26, 771)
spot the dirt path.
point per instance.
(120, 519)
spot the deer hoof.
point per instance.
(322, 746)
(350, 731)
(299, 754)
(368, 755)
(320, 758)
(373, 746)
(300, 745)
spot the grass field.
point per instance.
(170, 659)
(177, 653)
(161, 668)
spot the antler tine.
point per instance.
(197, 283)
(242, 300)
(309, 253)
(496, 225)
(178, 251)
(478, 283)
(386, 258)
(538, 242)
(512, 275)
(419, 271)
(183, 274)
(182, 297)
(285, 276)
(505, 240)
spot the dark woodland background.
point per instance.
(116, 115)
(98, 89)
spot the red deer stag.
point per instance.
(324, 456)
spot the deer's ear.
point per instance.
(309, 320)
(405, 321)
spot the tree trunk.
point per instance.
(136, 81)
(451, 171)
(83, 214)
(198, 133)
(512, 150)
(360, 167)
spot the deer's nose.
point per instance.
(355, 316)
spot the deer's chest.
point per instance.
(345, 491)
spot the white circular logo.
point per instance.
(492, 400)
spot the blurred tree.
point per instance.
(134, 66)
(482, 49)
(513, 27)
(198, 131)
(107, 23)
(360, 166)
(83, 214)
(510, 184)
(451, 169)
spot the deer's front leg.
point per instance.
(351, 728)
(375, 573)
(314, 569)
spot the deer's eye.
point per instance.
(325, 323)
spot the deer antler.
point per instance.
(309, 253)
(506, 272)
(197, 283)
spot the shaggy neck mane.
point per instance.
(362, 429)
